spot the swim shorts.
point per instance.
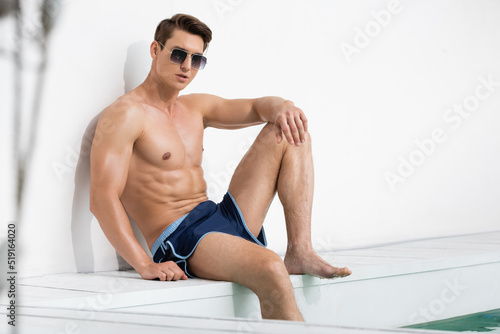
(179, 240)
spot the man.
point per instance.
(148, 162)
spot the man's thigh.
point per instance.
(253, 185)
(225, 257)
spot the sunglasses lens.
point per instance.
(198, 62)
(178, 56)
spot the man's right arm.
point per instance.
(117, 130)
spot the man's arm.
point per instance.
(289, 121)
(118, 128)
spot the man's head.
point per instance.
(178, 49)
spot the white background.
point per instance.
(366, 109)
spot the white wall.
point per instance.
(368, 99)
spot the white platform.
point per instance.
(391, 286)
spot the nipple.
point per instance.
(166, 156)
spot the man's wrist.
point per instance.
(141, 267)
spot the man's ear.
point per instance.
(154, 49)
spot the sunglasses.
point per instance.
(178, 56)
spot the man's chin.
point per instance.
(182, 85)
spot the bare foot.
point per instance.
(299, 262)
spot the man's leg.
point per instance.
(267, 168)
(228, 258)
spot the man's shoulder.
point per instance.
(198, 98)
(122, 120)
(124, 108)
(200, 102)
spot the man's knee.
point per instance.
(273, 263)
(275, 285)
(273, 270)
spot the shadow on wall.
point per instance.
(137, 65)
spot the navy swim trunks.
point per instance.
(179, 241)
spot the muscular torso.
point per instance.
(165, 179)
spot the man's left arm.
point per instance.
(289, 121)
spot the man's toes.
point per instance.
(343, 272)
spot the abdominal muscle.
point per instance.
(155, 199)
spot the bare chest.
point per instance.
(170, 143)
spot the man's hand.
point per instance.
(165, 271)
(290, 122)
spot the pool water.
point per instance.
(488, 321)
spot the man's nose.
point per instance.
(186, 64)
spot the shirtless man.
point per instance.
(147, 161)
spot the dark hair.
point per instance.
(184, 22)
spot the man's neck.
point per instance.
(154, 93)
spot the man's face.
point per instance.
(174, 75)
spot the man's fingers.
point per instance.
(288, 134)
(285, 129)
(162, 276)
(170, 275)
(301, 128)
(305, 122)
(165, 271)
(294, 131)
(176, 272)
(179, 274)
(284, 124)
(292, 126)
